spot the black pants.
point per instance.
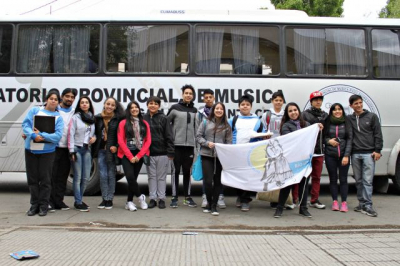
(38, 173)
(132, 171)
(212, 169)
(183, 158)
(303, 193)
(334, 164)
(61, 169)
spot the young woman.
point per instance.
(338, 142)
(292, 121)
(80, 138)
(214, 130)
(40, 149)
(134, 143)
(105, 148)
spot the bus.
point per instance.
(231, 52)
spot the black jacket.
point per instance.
(313, 116)
(342, 131)
(111, 136)
(162, 142)
(367, 133)
(290, 127)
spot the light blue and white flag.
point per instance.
(270, 164)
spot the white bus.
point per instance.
(231, 53)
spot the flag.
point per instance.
(270, 164)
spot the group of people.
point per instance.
(128, 137)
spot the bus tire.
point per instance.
(92, 186)
(396, 177)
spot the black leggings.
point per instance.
(132, 171)
(303, 193)
(183, 158)
(334, 164)
(210, 166)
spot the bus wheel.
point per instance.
(396, 177)
(93, 184)
(381, 184)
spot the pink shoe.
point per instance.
(335, 205)
(343, 207)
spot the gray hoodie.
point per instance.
(206, 134)
(76, 132)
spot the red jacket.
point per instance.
(123, 149)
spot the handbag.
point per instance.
(197, 169)
(146, 160)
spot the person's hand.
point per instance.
(376, 156)
(321, 126)
(72, 156)
(170, 158)
(333, 142)
(23, 136)
(211, 145)
(92, 140)
(133, 160)
(113, 149)
(345, 160)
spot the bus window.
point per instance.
(5, 48)
(319, 51)
(58, 49)
(386, 53)
(148, 48)
(240, 50)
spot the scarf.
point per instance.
(337, 121)
(87, 118)
(297, 123)
(106, 119)
(136, 131)
(317, 112)
(207, 110)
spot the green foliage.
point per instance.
(315, 8)
(392, 9)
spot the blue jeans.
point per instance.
(107, 175)
(363, 169)
(82, 166)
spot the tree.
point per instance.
(391, 10)
(315, 8)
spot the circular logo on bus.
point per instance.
(340, 94)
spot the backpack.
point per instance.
(268, 119)
(235, 118)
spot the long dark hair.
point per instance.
(328, 119)
(119, 110)
(78, 106)
(224, 120)
(128, 124)
(286, 117)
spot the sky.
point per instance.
(352, 8)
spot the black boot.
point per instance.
(278, 212)
(304, 212)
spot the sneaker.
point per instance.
(161, 204)
(204, 202)
(214, 211)
(130, 206)
(49, 209)
(81, 207)
(152, 204)
(33, 210)
(84, 204)
(102, 205)
(358, 208)
(189, 202)
(335, 205)
(109, 205)
(278, 213)
(207, 209)
(142, 201)
(238, 202)
(343, 207)
(290, 206)
(245, 207)
(273, 205)
(43, 210)
(174, 203)
(317, 205)
(366, 210)
(62, 206)
(304, 212)
(221, 202)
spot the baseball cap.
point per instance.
(316, 94)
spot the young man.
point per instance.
(62, 163)
(315, 115)
(243, 127)
(182, 118)
(161, 151)
(366, 150)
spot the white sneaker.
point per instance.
(290, 206)
(142, 201)
(221, 202)
(204, 202)
(130, 206)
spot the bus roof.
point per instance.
(211, 16)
